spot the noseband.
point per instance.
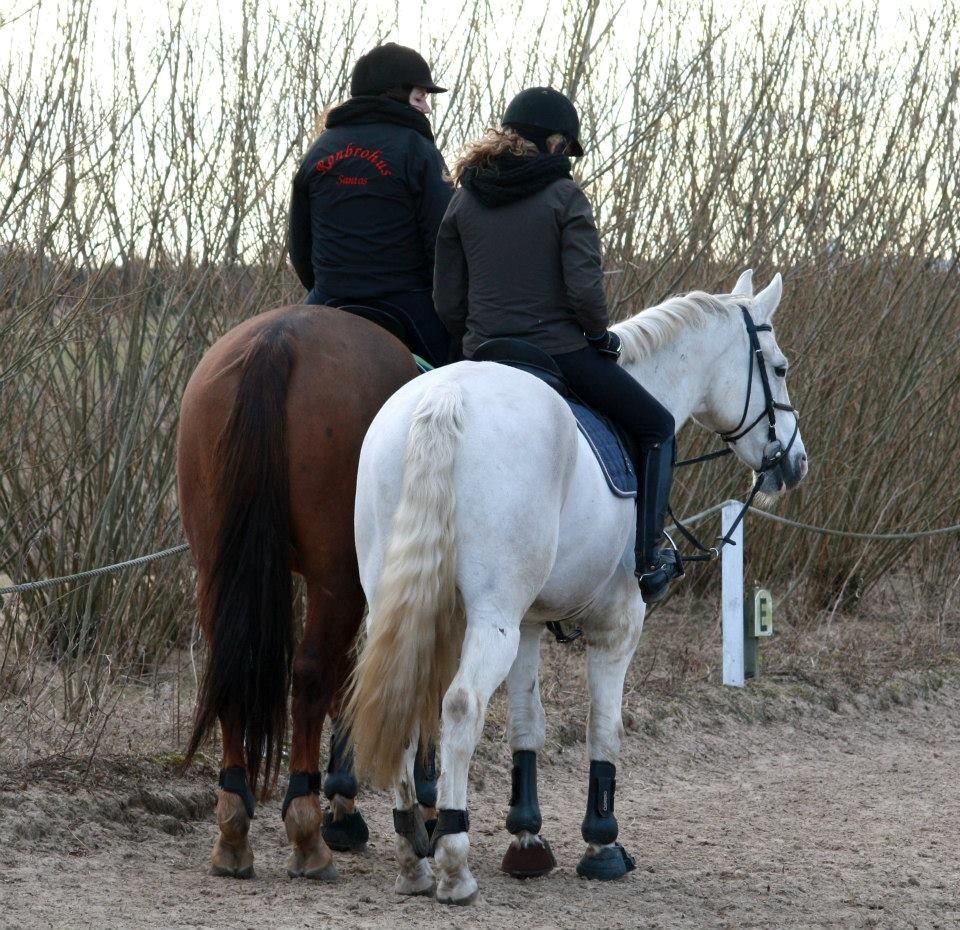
(773, 454)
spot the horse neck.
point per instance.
(680, 374)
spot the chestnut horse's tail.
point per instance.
(416, 621)
(250, 592)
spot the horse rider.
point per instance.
(518, 255)
(368, 199)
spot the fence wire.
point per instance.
(696, 518)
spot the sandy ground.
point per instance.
(780, 807)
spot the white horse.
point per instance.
(481, 514)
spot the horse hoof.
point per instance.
(425, 885)
(231, 861)
(222, 871)
(528, 861)
(349, 834)
(315, 865)
(610, 863)
(459, 898)
(328, 873)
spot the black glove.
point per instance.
(606, 343)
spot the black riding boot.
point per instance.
(655, 567)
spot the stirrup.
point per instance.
(655, 583)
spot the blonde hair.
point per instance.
(321, 122)
(493, 143)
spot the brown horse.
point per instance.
(270, 431)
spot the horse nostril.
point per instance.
(804, 464)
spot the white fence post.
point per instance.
(732, 598)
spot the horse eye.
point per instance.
(780, 371)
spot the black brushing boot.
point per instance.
(529, 855)
(655, 567)
(600, 828)
(343, 830)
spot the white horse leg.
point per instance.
(411, 841)
(489, 649)
(529, 855)
(608, 656)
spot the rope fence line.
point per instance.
(94, 572)
(823, 530)
(696, 518)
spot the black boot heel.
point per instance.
(655, 583)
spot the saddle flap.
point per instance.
(527, 357)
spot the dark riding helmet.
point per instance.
(388, 66)
(542, 111)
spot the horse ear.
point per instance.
(767, 301)
(744, 285)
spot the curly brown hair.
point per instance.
(494, 142)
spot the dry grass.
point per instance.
(142, 215)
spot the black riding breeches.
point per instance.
(602, 384)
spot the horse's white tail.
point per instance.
(416, 621)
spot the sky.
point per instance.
(411, 22)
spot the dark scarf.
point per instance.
(379, 110)
(512, 177)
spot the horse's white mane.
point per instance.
(654, 327)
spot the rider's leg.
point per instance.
(315, 298)
(604, 385)
(421, 317)
(655, 567)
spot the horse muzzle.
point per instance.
(783, 472)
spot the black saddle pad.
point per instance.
(602, 436)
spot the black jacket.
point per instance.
(365, 210)
(529, 268)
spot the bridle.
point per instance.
(770, 406)
(773, 454)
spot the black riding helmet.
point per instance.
(538, 112)
(388, 66)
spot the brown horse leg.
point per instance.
(319, 669)
(232, 855)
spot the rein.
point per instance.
(773, 454)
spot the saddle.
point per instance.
(397, 324)
(383, 319)
(610, 447)
(527, 357)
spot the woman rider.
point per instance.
(369, 197)
(366, 205)
(518, 255)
